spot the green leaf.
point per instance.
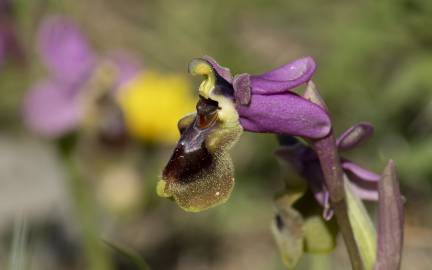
(18, 256)
(363, 229)
(130, 254)
(317, 235)
(287, 229)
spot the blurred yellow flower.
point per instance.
(152, 104)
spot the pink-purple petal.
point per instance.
(242, 89)
(354, 136)
(49, 110)
(286, 113)
(365, 190)
(64, 50)
(354, 170)
(328, 211)
(224, 72)
(283, 78)
(127, 67)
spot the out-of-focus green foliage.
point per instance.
(18, 259)
(374, 64)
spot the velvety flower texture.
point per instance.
(305, 161)
(200, 173)
(55, 105)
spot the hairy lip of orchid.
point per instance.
(191, 155)
(199, 174)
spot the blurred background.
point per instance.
(71, 172)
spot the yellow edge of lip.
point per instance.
(160, 189)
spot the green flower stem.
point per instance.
(18, 259)
(95, 254)
(330, 164)
(328, 155)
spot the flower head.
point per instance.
(265, 103)
(77, 77)
(199, 174)
(305, 161)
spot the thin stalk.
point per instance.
(18, 257)
(83, 203)
(328, 155)
(330, 164)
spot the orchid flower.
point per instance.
(305, 161)
(199, 174)
(58, 104)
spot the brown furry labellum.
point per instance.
(200, 174)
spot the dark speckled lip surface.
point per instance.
(183, 165)
(191, 156)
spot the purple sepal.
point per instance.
(390, 220)
(265, 104)
(354, 136)
(364, 182)
(283, 78)
(365, 191)
(221, 71)
(285, 113)
(49, 110)
(64, 49)
(242, 89)
(359, 172)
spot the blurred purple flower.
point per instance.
(305, 161)
(9, 45)
(3, 44)
(265, 103)
(53, 106)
